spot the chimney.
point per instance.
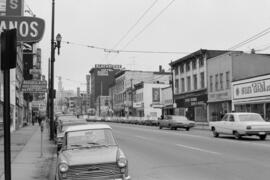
(160, 68)
(252, 51)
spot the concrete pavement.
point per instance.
(27, 162)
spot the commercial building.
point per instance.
(148, 99)
(252, 95)
(121, 91)
(232, 67)
(167, 100)
(190, 84)
(102, 76)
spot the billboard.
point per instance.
(156, 95)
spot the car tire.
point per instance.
(262, 137)
(187, 129)
(171, 127)
(160, 127)
(236, 135)
(215, 133)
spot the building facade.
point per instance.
(252, 95)
(122, 91)
(102, 76)
(148, 99)
(190, 84)
(224, 69)
(167, 100)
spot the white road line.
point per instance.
(198, 149)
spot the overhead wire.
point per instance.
(148, 24)
(135, 24)
(252, 38)
(124, 51)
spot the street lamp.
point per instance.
(58, 42)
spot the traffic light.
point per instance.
(8, 49)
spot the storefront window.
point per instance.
(267, 113)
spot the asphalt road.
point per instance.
(194, 155)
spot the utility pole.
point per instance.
(131, 83)
(101, 91)
(52, 77)
(172, 87)
(49, 87)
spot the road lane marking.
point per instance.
(197, 149)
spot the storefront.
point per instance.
(193, 105)
(219, 103)
(252, 95)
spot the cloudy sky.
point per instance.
(179, 26)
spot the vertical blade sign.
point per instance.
(8, 49)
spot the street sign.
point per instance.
(34, 86)
(29, 29)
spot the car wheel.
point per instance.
(215, 133)
(160, 127)
(236, 135)
(171, 127)
(187, 129)
(262, 137)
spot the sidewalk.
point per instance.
(27, 163)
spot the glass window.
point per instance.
(176, 70)
(201, 62)
(211, 83)
(195, 81)
(188, 83)
(202, 79)
(194, 64)
(182, 85)
(181, 68)
(187, 66)
(251, 117)
(221, 80)
(90, 137)
(227, 80)
(231, 118)
(225, 117)
(176, 86)
(216, 82)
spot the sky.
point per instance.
(179, 26)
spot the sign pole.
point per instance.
(6, 112)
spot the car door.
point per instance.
(230, 124)
(221, 125)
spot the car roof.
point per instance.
(87, 127)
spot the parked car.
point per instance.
(174, 122)
(91, 152)
(241, 124)
(63, 125)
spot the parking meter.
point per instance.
(41, 127)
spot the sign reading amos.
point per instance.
(29, 29)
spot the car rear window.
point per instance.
(251, 117)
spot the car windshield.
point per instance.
(88, 138)
(251, 117)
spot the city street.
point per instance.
(165, 154)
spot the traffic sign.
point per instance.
(29, 29)
(34, 86)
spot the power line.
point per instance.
(252, 38)
(150, 23)
(125, 51)
(137, 22)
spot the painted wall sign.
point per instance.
(109, 66)
(252, 89)
(29, 29)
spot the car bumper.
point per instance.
(250, 133)
(182, 126)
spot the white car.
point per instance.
(241, 124)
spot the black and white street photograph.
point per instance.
(134, 90)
